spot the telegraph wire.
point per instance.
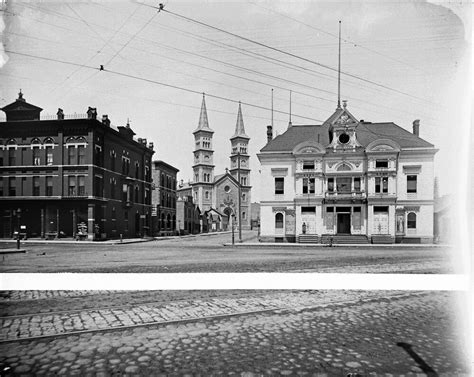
(188, 19)
(233, 47)
(355, 44)
(101, 68)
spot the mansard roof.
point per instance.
(366, 134)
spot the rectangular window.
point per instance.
(147, 196)
(23, 156)
(357, 184)
(36, 156)
(1, 186)
(11, 156)
(308, 209)
(12, 186)
(81, 185)
(279, 185)
(71, 186)
(98, 189)
(49, 155)
(112, 190)
(23, 186)
(308, 185)
(343, 184)
(1, 157)
(331, 184)
(381, 185)
(381, 163)
(49, 186)
(36, 186)
(71, 153)
(81, 154)
(308, 165)
(411, 183)
(112, 163)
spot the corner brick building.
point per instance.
(72, 176)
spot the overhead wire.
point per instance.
(159, 83)
(188, 19)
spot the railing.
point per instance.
(345, 194)
(66, 116)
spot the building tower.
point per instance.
(203, 167)
(239, 166)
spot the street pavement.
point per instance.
(240, 333)
(207, 254)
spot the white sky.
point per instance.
(421, 49)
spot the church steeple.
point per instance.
(203, 121)
(203, 167)
(239, 156)
(239, 126)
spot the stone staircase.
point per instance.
(339, 239)
(308, 238)
(382, 239)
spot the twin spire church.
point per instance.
(218, 195)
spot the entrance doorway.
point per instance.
(343, 223)
(226, 218)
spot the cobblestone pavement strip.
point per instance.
(140, 313)
(332, 339)
(206, 254)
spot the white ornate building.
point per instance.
(348, 181)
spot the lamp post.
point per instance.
(233, 226)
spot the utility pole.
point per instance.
(240, 196)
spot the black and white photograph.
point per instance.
(177, 143)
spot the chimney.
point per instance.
(140, 140)
(181, 183)
(92, 113)
(144, 142)
(416, 127)
(269, 133)
(151, 145)
(60, 114)
(106, 120)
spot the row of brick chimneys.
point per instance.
(144, 142)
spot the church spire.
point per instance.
(239, 126)
(203, 121)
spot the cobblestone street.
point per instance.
(244, 333)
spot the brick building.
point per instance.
(188, 214)
(164, 199)
(72, 176)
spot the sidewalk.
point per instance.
(107, 242)
(322, 245)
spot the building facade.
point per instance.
(188, 214)
(217, 196)
(347, 180)
(72, 176)
(164, 199)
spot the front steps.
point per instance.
(308, 238)
(339, 239)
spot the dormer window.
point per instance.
(308, 165)
(344, 138)
(381, 163)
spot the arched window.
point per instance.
(162, 220)
(174, 222)
(207, 194)
(168, 221)
(279, 221)
(411, 220)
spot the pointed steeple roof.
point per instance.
(239, 126)
(203, 124)
(337, 115)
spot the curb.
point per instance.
(320, 245)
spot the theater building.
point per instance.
(347, 181)
(72, 176)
